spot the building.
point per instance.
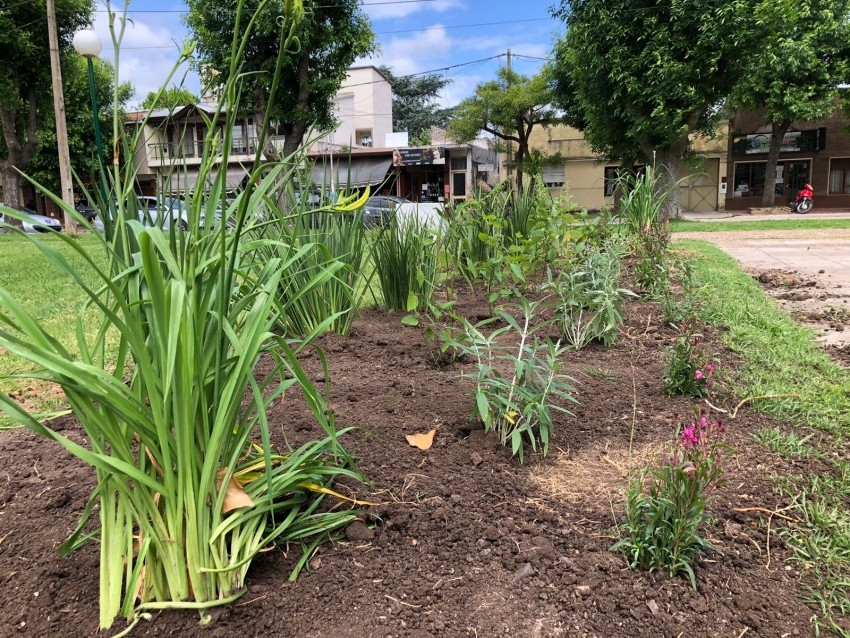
(590, 181)
(814, 152)
(437, 174)
(172, 143)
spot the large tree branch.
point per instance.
(10, 133)
(500, 135)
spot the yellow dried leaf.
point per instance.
(422, 441)
(235, 496)
(313, 487)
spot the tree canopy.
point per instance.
(508, 108)
(25, 80)
(796, 76)
(170, 98)
(44, 166)
(331, 37)
(415, 105)
(640, 80)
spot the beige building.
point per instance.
(589, 181)
(364, 107)
(169, 156)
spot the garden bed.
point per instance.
(463, 541)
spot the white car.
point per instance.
(35, 223)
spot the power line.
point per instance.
(320, 6)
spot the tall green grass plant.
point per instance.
(189, 487)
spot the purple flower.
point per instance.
(698, 375)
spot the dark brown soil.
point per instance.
(466, 541)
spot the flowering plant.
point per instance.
(690, 370)
(666, 505)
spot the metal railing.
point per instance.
(189, 149)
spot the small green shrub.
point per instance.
(517, 405)
(588, 298)
(666, 505)
(690, 370)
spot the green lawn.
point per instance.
(52, 298)
(803, 223)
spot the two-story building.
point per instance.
(170, 153)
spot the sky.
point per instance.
(451, 37)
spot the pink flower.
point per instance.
(710, 367)
(698, 375)
(690, 438)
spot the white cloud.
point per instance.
(404, 9)
(148, 53)
(422, 51)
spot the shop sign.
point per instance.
(793, 142)
(419, 156)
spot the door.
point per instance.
(701, 189)
(797, 177)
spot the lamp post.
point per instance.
(87, 43)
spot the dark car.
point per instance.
(88, 211)
(380, 208)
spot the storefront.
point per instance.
(813, 152)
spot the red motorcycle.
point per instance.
(804, 202)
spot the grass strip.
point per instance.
(782, 357)
(682, 226)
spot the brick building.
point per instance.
(814, 152)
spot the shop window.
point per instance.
(839, 176)
(749, 179)
(364, 137)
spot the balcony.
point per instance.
(190, 152)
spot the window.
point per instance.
(553, 176)
(459, 163)
(839, 176)
(749, 179)
(238, 144)
(363, 137)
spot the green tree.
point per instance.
(171, 98)
(509, 108)
(44, 166)
(640, 80)
(25, 84)
(415, 105)
(797, 74)
(331, 37)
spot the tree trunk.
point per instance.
(11, 191)
(777, 135)
(668, 164)
(20, 146)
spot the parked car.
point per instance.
(35, 223)
(379, 208)
(152, 209)
(88, 211)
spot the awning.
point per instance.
(188, 179)
(354, 172)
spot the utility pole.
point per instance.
(65, 180)
(510, 150)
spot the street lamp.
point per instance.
(88, 44)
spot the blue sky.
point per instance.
(414, 36)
